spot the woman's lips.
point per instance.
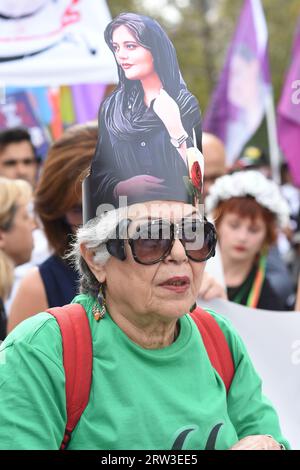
(240, 248)
(178, 284)
(126, 66)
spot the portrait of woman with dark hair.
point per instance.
(147, 123)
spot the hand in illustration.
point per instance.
(140, 185)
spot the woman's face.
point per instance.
(241, 239)
(152, 289)
(135, 60)
(17, 242)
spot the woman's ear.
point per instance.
(97, 269)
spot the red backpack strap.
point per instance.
(78, 360)
(215, 344)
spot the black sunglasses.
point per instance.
(152, 241)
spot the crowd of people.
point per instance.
(54, 282)
(138, 288)
(252, 217)
(249, 267)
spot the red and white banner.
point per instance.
(54, 42)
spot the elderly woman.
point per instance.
(142, 284)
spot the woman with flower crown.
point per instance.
(248, 210)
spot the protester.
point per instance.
(277, 274)
(18, 159)
(58, 204)
(248, 209)
(141, 267)
(215, 166)
(16, 242)
(144, 334)
(215, 160)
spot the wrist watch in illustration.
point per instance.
(179, 141)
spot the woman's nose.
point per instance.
(122, 53)
(242, 234)
(177, 254)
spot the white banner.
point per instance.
(54, 42)
(273, 342)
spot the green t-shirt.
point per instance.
(168, 398)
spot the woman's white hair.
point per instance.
(94, 236)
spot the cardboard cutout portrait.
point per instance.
(149, 127)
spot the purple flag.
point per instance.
(289, 113)
(87, 99)
(238, 103)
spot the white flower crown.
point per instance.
(249, 183)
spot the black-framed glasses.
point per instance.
(152, 241)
